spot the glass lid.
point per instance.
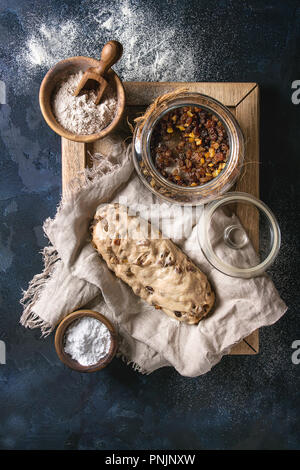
(239, 235)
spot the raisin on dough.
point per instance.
(155, 268)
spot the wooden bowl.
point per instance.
(66, 358)
(55, 75)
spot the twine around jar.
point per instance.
(140, 121)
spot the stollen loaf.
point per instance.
(154, 267)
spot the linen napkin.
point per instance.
(75, 276)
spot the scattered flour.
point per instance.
(79, 114)
(87, 340)
(48, 41)
(153, 51)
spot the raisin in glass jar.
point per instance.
(189, 150)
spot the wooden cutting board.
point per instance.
(243, 101)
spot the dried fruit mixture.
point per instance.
(189, 146)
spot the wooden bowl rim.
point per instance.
(66, 358)
(46, 107)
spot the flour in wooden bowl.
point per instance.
(79, 114)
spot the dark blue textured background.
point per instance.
(244, 402)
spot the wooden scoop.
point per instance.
(111, 53)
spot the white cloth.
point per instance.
(149, 339)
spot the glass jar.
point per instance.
(239, 235)
(169, 191)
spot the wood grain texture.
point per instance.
(241, 98)
(247, 114)
(230, 94)
(73, 160)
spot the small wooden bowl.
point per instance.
(55, 75)
(66, 358)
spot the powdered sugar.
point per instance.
(87, 341)
(79, 114)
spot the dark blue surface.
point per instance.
(244, 402)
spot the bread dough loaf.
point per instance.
(156, 269)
